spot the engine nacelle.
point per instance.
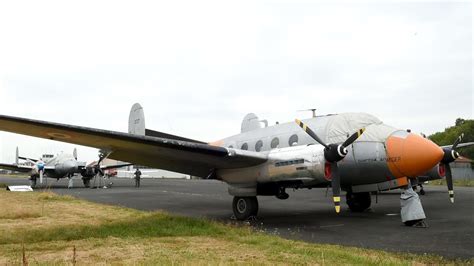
(437, 172)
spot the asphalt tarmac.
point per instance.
(307, 215)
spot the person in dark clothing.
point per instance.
(137, 177)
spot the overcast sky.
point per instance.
(198, 67)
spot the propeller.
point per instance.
(450, 155)
(40, 169)
(333, 153)
(102, 156)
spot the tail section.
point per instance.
(136, 120)
(136, 125)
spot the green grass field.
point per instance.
(51, 227)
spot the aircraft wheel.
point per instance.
(87, 182)
(244, 207)
(33, 182)
(358, 202)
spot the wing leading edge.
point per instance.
(169, 154)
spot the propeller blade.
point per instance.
(41, 176)
(449, 182)
(310, 132)
(353, 137)
(336, 187)
(457, 141)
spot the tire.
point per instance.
(87, 182)
(244, 207)
(358, 202)
(33, 182)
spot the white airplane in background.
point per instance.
(60, 166)
(354, 152)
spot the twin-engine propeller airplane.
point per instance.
(354, 152)
(60, 166)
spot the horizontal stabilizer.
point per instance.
(27, 159)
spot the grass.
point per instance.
(456, 182)
(51, 226)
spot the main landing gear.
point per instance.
(244, 207)
(33, 181)
(358, 202)
(87, 182)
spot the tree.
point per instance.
(450, 134)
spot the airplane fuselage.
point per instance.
(296, 160)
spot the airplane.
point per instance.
(59, 166)
(353, 152)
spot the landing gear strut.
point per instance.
(358, 202)
(422, 190)
(33, 181)
(87, 182)
(244, 207)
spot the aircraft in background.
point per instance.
(60, 166)
(353, 152)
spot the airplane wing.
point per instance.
(106, 167)
(14, 167)
(460, 145)
(174, 155)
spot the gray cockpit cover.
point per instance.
(340, 127)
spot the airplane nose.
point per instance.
(411, 155)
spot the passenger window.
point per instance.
(245, 146)
(275, 143)
(293, 140)
(258, 145)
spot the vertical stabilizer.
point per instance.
(17, 154)
(136, 120)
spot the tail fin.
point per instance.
(17, 160)
(136, 125)
(74, 153)
(136, 120)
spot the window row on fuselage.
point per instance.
(260, 145)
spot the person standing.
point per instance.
(137, 177)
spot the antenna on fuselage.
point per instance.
(313, 110)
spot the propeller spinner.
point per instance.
(333, 153)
